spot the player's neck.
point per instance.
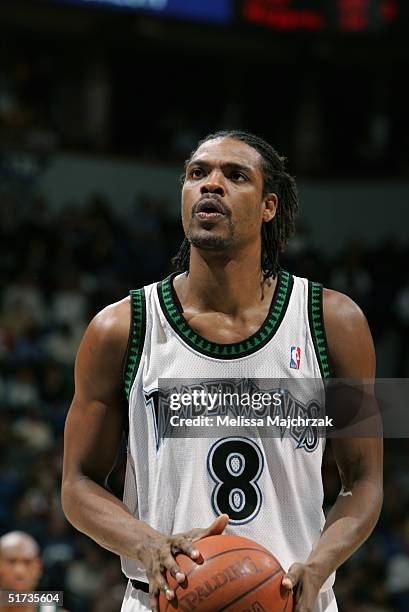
(227, 285)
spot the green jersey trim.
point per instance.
(234, 350)
(136, 338)
(316, 320)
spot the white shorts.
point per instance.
(138, 601)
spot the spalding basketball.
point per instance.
(237, 575)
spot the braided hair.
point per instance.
(275, 233)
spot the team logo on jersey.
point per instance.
(295, 357)
(158, 402)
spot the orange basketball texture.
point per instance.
(237, 575)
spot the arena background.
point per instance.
(100, 103)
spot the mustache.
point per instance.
(216, 198)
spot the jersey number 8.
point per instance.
(235, 465)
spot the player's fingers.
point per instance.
(305, 597)
(293, 576)
(170, 564)
(183, 543)
(157, 584)
(163, 586)
(216, 528)
(297, 600)
(303, 606)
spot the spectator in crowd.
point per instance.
(20, 567)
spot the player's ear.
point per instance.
(270, 207)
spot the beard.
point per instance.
(206, 240)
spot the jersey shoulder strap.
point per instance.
(316, 321)
(136, 338)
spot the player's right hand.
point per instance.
(156, 553)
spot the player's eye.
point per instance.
(196, 173)
(238, 176)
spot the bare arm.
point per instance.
(359, 460)
(92, 437)
(93, 433)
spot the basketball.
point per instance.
(237, 575)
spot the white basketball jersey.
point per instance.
(270, 487)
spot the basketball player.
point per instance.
(230, 313)
(20, 569)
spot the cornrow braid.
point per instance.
(276, 233)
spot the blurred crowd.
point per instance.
(86, 96)
(52, 101)
(57, 269)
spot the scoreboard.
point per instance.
(216, 11)
(281, 15)
(321, 15)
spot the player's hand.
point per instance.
(157, 557)
(305, 585)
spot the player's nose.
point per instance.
(213, 184)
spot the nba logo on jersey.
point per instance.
(295, 357)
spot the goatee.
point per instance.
(209, 242)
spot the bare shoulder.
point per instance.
(111, 325)
(340, 310)
(348, 335)
(100, 357)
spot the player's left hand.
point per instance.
(305, 584)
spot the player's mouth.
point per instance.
(209, 209)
